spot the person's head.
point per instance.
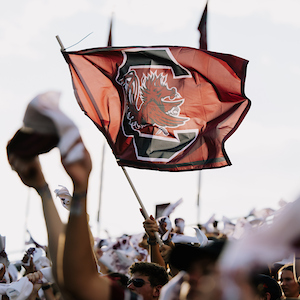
(265, 287)
(200, 264)
(179, 225)
(289, 285)
(185, 256)
(147, 279)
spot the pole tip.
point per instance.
(62, 48)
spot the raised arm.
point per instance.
(74, 264)
(80, 275)
(151, 227)
(30, 172)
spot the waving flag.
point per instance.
(162, 108)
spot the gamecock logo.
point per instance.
(152, 107)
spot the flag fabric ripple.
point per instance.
(166, 108)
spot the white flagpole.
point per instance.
(144, 212)
(62, 48)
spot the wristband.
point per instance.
(46, 287)
(151, 242)
(77, 196)
(77, 205)
(44, 191)
(167, 242)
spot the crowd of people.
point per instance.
(246, 261)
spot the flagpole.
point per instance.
(144, 211)
(62, 48)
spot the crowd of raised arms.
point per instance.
(72, 265)
(258, 260)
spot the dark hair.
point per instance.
(263, 284)
(287, 267)
(183, 256)
(156, 273)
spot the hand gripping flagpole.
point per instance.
(144, 212)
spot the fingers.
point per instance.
(29, 170)
(35, 277)
(11, 159)
(21, 166)
(25, 258)
(17, 164)
(150, 227)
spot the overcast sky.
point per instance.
(263, 150)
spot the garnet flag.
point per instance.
(163, 108)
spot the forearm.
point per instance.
(80, 274)
(155, 254)
(78, 265)
(48, 292)
(32, 296)
(151, 229)
(55, 227)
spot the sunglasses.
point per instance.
(137, 282)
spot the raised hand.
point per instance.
(151, 227)
(79, 172)
(29, 170)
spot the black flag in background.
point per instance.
(109, 41)
(202, 29)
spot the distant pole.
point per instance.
(109, 44)
(26, 216)
(100, 192)
(198, 198)
(203, 29)
(109, 41)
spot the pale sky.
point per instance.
(263, 150)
